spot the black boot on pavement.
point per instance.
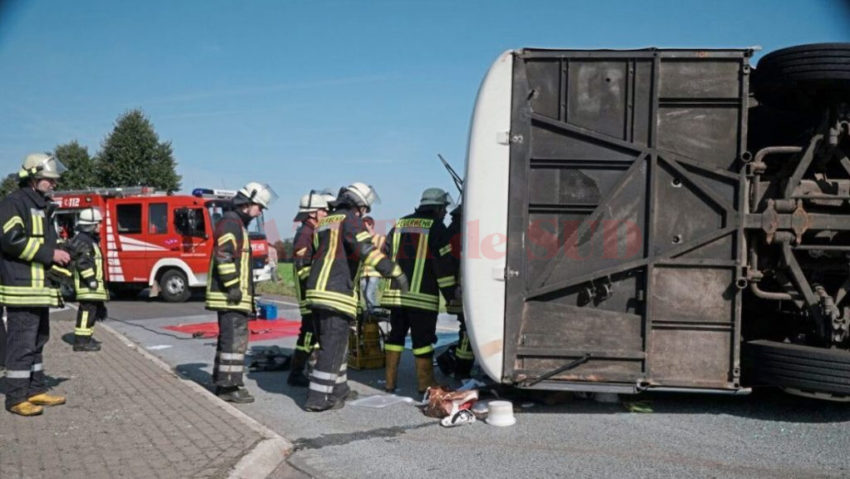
(234, 394)
(89, 345)
(296, 373)
(329, 403)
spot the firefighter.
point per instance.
(312, 208)
(342, 244)
(369, 278)
(457, 359)
(88, 278)
(421, 245)
(230, 289)
(28, 243)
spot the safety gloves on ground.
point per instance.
(234, 295)
(400, 278)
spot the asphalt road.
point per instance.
(766, 434)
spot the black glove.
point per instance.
(93, 284)
(234, 295)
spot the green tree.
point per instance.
(132, 155)
(9, 184)
(81, 167)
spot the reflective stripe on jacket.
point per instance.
(420, 245)
(342, 242)
(378, 240)
(455, 306)
(28, 241)
(303, 247)
(89, 266)
(230, 266)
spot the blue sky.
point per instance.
(314, 94)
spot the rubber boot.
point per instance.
(425, 373)
(86, 344)
(45, 399)
(296, 372)
(26, 408)
(392, 358)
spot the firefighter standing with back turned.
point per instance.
(230, 289)
(343, 243)
(28, 245)
(88, 279)
(312, 208)
(421, 245)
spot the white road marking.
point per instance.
(157, 347)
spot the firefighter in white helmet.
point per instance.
(342, 244)
(29, 247)
(88, 278)
(230, 289)
(311, 209)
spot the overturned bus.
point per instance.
(661, 219)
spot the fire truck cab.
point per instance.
(152, 239)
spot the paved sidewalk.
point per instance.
(128, 415)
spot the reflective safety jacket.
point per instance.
(342, 242)
(88, 267)
(27, 242)
(230, 266)
(378, 240)
(455, 306)
(303, 247)
(419, 243)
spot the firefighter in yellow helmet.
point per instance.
(230, 289)
(88, 278)
(421, 245)
(342, 244)
(28, 244)
(312, 208)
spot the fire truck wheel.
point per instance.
(174, 287)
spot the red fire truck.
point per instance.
(153, 239)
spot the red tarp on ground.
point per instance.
(259, 330)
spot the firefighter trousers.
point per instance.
(230, 349)
(329, 379)
(422, 326)
(28, 330)
(463, 353)
(2, 339)
(308, 336)
(88, 313)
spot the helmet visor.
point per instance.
(372, 196)
(267, 195)
(51, 168)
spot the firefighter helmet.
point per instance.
(310, 203)
(257, 193)
(360, 194)
(90, 216)
(41, 165)
(435, 197)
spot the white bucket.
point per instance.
(501, 413)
